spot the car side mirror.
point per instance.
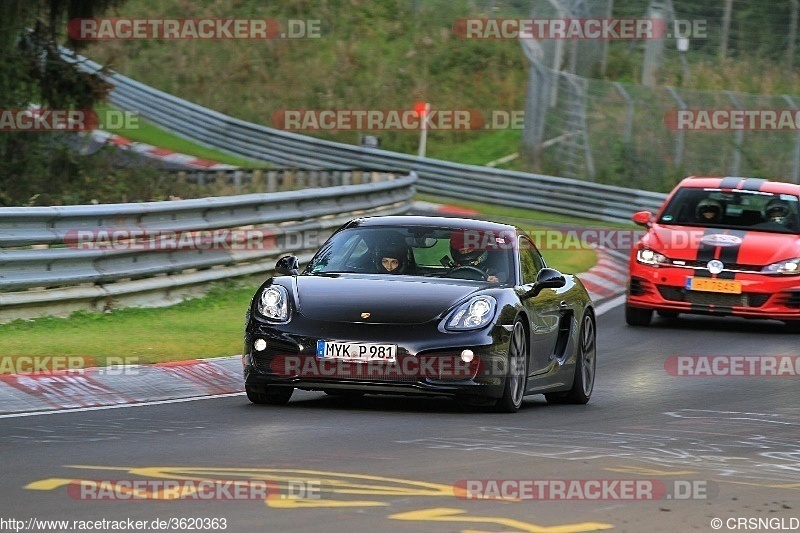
(643, 218)
(548, 278)
(287, 265)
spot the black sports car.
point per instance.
(422, 306)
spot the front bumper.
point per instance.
(427, 364)
(762, 296)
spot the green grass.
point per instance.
(142, 131)
(480, 149)
(203, 327)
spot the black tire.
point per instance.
(585, 367)
(517, 372)
(270, 395)
(635, 316)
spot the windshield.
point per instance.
(745, 210)
(480, 255)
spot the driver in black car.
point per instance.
(466, 253)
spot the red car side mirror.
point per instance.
(642, 218)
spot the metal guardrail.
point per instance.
(244, 180)
(519, 189)
(47, 268)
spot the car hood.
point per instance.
(397, 300)
(732, 246)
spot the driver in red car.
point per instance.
(466, 252)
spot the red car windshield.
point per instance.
(738, 209)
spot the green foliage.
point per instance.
(211, 326)
(35, 164)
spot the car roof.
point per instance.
(442, 222)
(740, 183)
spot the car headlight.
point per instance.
(475, 313)
(273, 303)
(651, 257)
(789, 266)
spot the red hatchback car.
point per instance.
(719, 246)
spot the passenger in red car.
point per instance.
(709, 210)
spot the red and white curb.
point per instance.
(608, 277)
(156, 153)
(118, 385)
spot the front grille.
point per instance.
(790, 299)
(746, 299)
(671, 293)
(376, 371)
(729, 267)
(637, 287)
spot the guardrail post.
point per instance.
(680, 135)
(796, 154)
(628, 131)
(737, 151)
(237, 181)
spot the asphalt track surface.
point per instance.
(721, 447)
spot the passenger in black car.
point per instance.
(391, 258)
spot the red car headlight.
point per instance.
(650, 257)
(789, 266)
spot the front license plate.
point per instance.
(714, 285)
(357, 351)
